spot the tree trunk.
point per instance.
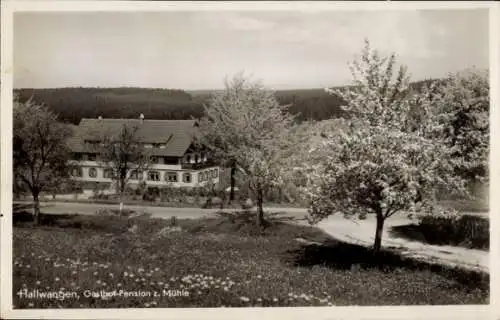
(36, 208)
(233, 182)
(260, 209)
(122, 191)
(378, 234)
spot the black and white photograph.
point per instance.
(217, 157)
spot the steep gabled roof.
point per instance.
(177, 134)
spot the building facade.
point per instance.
(174, 159)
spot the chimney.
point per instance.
(142, 118)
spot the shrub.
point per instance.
(467, 230)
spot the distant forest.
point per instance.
(73, 104)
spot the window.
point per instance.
(186, 177)
(188, 159)
(93, 172)
(92, 156)
(148, 145)
(135, 175)
(153, 160)
(201, 176)
(215, 173)
(77, 156)
(153, 176)
(171, 160)
(162, 145)
(171, 176)
(195, 158)
(108, 173)
(77, 172)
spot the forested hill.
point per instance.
(73, 104)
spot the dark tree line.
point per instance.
(73, 104)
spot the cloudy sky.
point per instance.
(196, 50)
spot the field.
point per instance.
(216, 262)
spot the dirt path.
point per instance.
(358, 232)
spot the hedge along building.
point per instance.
(174, 158)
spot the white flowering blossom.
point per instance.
(382, 161)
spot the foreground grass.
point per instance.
(213, 263)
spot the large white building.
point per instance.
(175, 161)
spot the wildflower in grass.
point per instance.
(131, 275)
(73, 284)
(111, 275)
(57, 279)
(259, 276)
(125, 273)
(245, 299)
(38, 282)
(96, 273)
(28, 266)
(73, 272)
(140, 270)
(94, 263)
(31, 304)
(118, 284)
(275, 299)
(98, 281)
(160, 283)
(199, 292)
(157, 269)
(226, 289)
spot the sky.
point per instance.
(195, 50)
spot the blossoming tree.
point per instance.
(382, 161)
(245, 124)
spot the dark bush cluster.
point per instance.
(467, 230)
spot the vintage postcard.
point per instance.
(192, 160)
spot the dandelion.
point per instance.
(259, 299)
(131, 275)
(57, 279)
(259, 277)
(244, 299)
